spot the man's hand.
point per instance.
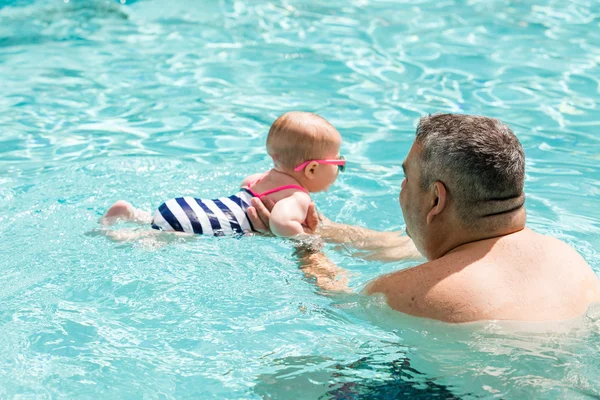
(260, 214)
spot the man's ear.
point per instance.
(439, 199)
(309, 170)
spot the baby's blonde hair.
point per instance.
(296, 137)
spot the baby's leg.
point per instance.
(122, 210)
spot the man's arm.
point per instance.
(373, 245)
(317, 266)
(401, 289)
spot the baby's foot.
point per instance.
(121, 210)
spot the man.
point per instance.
(463, 204)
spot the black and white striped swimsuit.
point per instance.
(219, 217)
(222, 216)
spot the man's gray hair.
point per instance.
(478, 159)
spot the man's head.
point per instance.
(297, 137)
(465, 174)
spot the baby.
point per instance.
(306, 154)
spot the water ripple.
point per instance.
(143, 101)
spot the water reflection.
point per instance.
(366, 378)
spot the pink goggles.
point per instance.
(340, 162)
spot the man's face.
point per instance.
(412, 196)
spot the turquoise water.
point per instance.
(149, 100)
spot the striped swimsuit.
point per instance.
(219, 217)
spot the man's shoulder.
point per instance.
(427, 290)
(448, 288)
(405, 289)
(412, 277)
(486, 280)
(546, 247)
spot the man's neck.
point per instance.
(497, 225)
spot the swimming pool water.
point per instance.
(153, 99)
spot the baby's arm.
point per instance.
(288, 215)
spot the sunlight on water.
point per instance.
(150, 100)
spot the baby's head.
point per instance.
(297, 141)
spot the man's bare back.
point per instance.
(521, 276)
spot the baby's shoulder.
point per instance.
(249, 180)
(293, 198)
(301, 196)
